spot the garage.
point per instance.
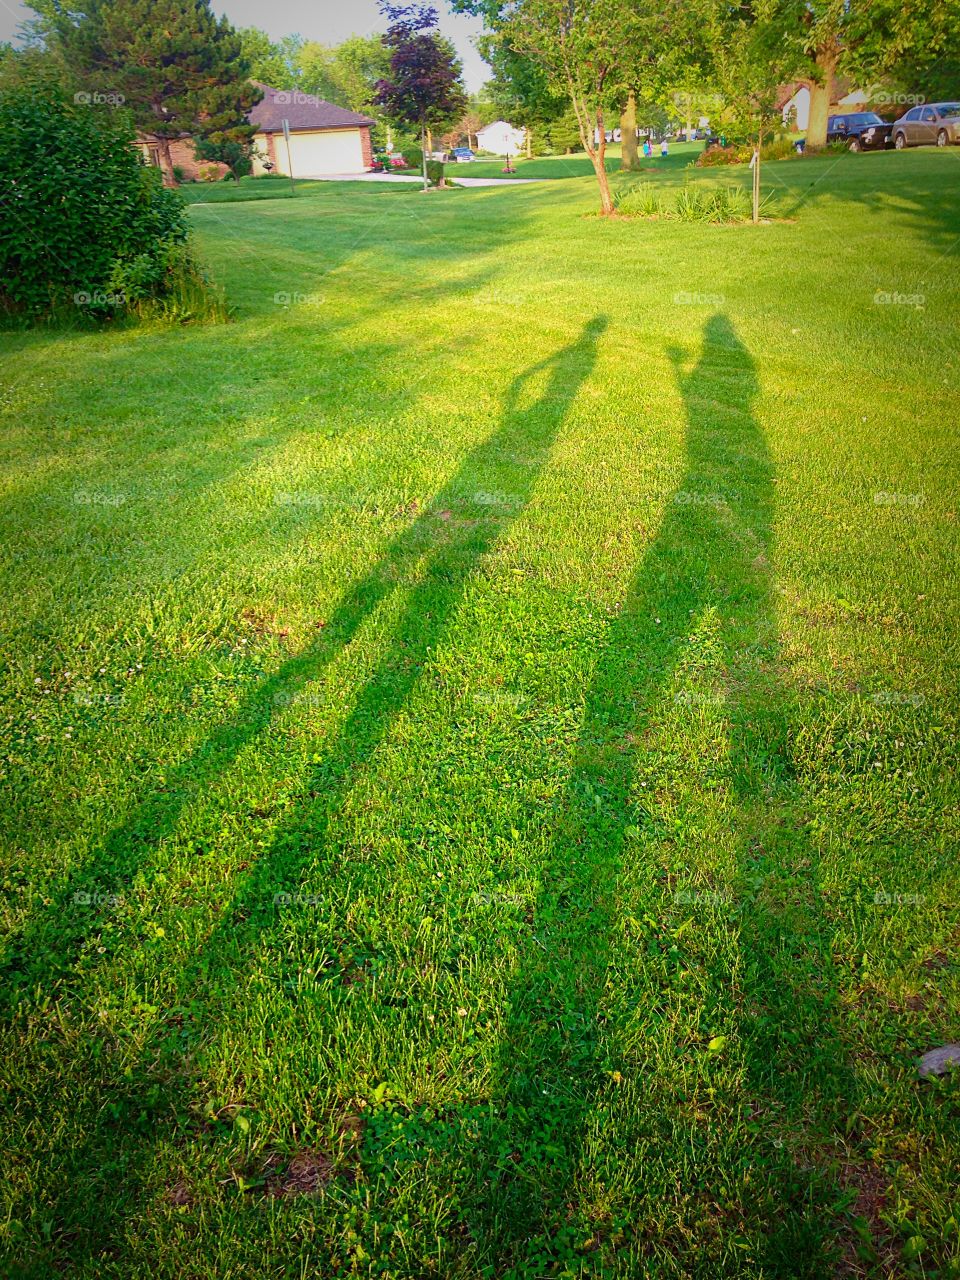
(324, 138)
(321, 152)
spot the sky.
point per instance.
(328, 21)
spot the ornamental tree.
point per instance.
(424, 88)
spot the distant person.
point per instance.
(664, 149)
(647, 149)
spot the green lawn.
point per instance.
(577, 165)
(481, 791)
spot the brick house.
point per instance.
(324, 138)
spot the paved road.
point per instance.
(408, 177)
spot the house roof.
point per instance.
(302, 110)
(499, 125)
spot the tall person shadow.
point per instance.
(571, 1015)
(435, 558)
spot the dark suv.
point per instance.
(861, 130)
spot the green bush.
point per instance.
(643, 200)
(434, 172)
(712, 204)
(81, 210)
(742, 153)
(692, 203)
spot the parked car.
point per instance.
(861, 130)
(463, 154)
(933, 124)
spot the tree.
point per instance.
(177, 67)
(346, 74)
(272, 62)
(519, 90)
(424, 87)
(595, 52)
(236, 155)
(864, 40)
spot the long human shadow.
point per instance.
(42, 952)
(712, 552)
(436, 557)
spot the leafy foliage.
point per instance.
(273, 62)
(424, 87)
(173, 63)
(79, 206)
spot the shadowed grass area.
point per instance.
(480, 734)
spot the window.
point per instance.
(929, 115)
(913, 115)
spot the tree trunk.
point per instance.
(688, 136)
(529, 140)
(166, 163)
(423, 154)
(430, 141)
(821, 95)
(629, 155)
(594, 141)
(598, 157)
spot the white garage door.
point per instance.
(336, 151)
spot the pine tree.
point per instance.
(176, 66)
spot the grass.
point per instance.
(480, 728)
(577, 165)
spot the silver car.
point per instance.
(933, 124)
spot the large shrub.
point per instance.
(79, 205)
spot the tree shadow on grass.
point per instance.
(571, 1007)
(96, 1184)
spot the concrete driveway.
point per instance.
(409, 177)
